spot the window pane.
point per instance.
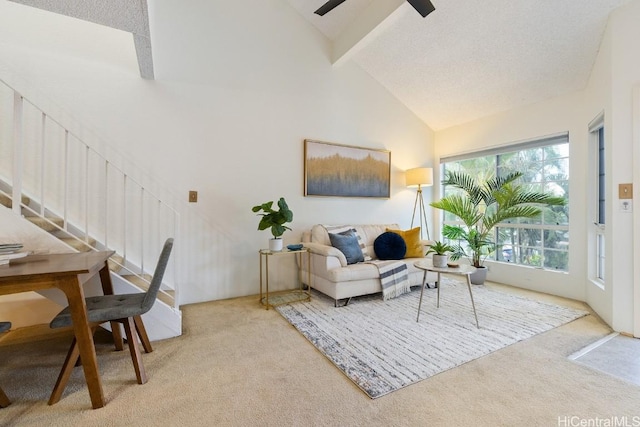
(556, 260)
(601, 177)
(531, 256)
(556, 169)
(480, 167)
(530, 237)
(557, 239)
(558, 150)
(600, 256)
(534, 186)
(536, 220)
(555, 215)
(557, 188)
(449, 217)
(507, 236)
(601, 199)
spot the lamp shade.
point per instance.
(417, 177)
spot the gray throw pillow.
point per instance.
(347, 243)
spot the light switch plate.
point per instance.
(625, 191)
(193, 196)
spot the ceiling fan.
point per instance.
(424, 7)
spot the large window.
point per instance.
(538, 242)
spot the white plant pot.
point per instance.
(275, 245)
(479, 276)
(440, 260)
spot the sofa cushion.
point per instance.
(390, 245)
(319, 236)
(412, 240)
(347, 242)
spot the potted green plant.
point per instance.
(439, 250)
(275, 220)
(481, 206)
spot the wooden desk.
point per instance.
(67, 272)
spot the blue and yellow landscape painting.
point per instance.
(338, 170)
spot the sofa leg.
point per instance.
(345, 304)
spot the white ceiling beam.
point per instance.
(127, 15)
(375, 18)
(144, 55)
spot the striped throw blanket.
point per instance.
(394, 278)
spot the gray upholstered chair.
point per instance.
(125, 309)
(4, 400)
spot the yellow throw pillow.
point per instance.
(412, 240)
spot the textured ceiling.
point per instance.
(126, 15)
(472, 58)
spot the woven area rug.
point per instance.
(381, 348)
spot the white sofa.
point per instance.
(330, 273)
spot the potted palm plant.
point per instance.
(439, 250)
(275, 220)
(481, 206)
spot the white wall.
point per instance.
(598, 102)
(610, 90)
(561, 114)
(616, 72)
(626, 76)
(236, 93)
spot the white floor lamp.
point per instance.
(420, 177)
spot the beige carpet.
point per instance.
(240, 365)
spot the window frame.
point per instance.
(524, 226)
(597, 142)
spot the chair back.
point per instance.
(5, 326)
(158, 274)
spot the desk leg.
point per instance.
(472, 303)
(75, 296)
(424, 279)
(107, 289)
(266, 269)
(260, 255)
(438, 286)
(4, 400)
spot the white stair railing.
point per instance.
(82, 194)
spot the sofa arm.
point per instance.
(326, 251)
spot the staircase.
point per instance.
(55, 226)
(65, 187)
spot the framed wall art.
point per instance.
(345, 171)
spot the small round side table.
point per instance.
(462, 270)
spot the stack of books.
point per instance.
(9, 251)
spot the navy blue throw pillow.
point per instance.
(347, 243)
(390, 245)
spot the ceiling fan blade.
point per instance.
(424, 7)
(328, 6)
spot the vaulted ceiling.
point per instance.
(468, 58)
(465, 60)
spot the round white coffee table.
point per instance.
(462, 270)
